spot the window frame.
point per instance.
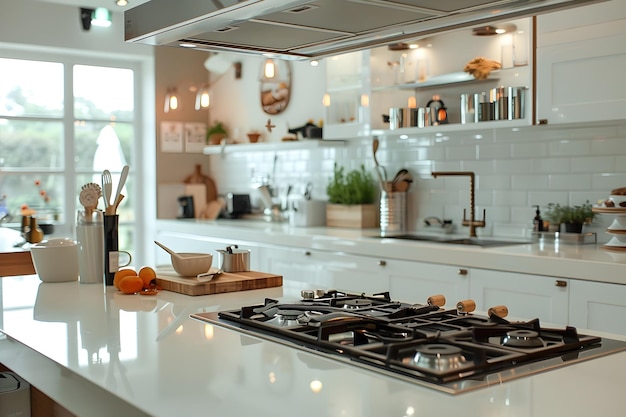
(143, 160)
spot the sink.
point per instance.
(458, 241)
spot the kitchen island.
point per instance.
(101, 353)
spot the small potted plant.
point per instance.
(574, 217)
(216, 133)
(351, 199)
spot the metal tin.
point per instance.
(234, 260)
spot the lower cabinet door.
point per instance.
(598, 306)
(416, 281)
(314, 269)
(526, 296)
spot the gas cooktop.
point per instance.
(452, 350)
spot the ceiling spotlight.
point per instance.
(122, 2)
(101, 17)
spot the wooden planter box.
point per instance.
(358, 216)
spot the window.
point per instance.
(58, 131)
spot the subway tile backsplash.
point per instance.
(515, 170)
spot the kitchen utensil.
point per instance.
(382, 179)
(208, 276)
(120, 185)
(88, 197)
(107, 188)
(402, 181)
(188, 264)
(233, 259)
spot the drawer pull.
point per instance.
(560, 283)
(463, 271)
(307, 253)
(382, 262)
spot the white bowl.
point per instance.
(56, 260)
(618, 200)
(192, 264)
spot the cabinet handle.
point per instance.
(560, 283)
(382, 262)
(307, 253)
(463, 271)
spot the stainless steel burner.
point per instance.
(440, 357)
(522, 338)
(356, 304)
(285, 318)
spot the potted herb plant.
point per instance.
(574, 217)
(216, 133)
(351, 199)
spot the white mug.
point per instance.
(114, 260)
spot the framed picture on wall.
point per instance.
(171, 137)
(195, 137)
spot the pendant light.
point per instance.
(270, 70)
(203, 99)
(171, 100)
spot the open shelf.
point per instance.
(270, 146)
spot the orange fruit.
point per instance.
(131, 284)
(148, 275)
(121, 274)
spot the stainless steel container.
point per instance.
(392, 212)
(423, 117)
(400, 117)
(500, 98)
(469, 108)
(517, 96)
(234, 260)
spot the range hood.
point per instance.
(301, 29)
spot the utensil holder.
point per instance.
(111, 247)
(392, 212)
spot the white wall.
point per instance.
(237, 103)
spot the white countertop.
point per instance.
(546, 257)
(103, 354)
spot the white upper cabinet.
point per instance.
(581, 56)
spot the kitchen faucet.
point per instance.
(472, 222)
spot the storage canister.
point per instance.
(233, 259)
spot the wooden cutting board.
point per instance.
(227, 282)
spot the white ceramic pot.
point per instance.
(56, 260)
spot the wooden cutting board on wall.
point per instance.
(226, 282)
(197, 177)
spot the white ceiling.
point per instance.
(109, 4)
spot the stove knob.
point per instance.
(436, 300)
(307, 294)
(500, 311)
(466, 306)
(320, 293)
